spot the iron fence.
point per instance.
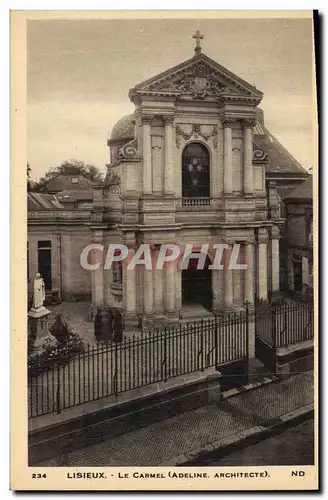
(109, 369)
(284, 324)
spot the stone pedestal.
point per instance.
(38, 319)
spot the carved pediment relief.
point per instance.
(199, 78)
(198, 81)
(195, 131)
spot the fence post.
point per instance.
(247, 331)
(216, 340)
(165, 354)
(115, 375)
(201, 344)
(58, 388)
(274, 328)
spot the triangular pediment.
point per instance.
(199, 77)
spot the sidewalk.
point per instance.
(180, 435)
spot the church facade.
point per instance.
(193, 165)
(190, 173)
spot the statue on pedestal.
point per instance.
(38, 317)
(39, 293)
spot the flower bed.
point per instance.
(69, 345)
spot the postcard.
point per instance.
(164, 250)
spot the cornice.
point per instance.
(181, 82)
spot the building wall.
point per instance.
(69, 280)
(296, 229)
(298, 248)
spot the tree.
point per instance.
(32, 186)
(28, 177)
(71, 167)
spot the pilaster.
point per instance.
(248, 158)
(146, 155)
(228, 283)
(168, 155)
(249, 261)
(97, 275)
(275, 260)
(262, 271)
(170, 289)
(228, 179)
(130, 293)
(148, 315)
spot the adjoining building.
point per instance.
(297, 251)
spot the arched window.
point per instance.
(195, 171)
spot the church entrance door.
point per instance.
(197, 284)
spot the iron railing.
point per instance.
(109, 369)
(284, 324)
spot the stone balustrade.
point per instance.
(196, 202)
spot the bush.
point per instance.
(69, 344)
(60, 329)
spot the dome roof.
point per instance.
(124, 128)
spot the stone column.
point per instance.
(130, 293)
(178, 290)
(262, 271)
(249, 294)
(168, 154)
(249, 261)
(218, 165)
(146, 156)
(228, 283)
(159, 282)
(218, 289)
(228, 183)
(97, 275)
(290, 269)
(248, 157)
(275, 260)
(148, 298)
(170, 286)
(159, 279)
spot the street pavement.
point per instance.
(294, 446)
(160, 441)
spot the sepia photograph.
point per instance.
(169, 275)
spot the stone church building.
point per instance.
(194, 164)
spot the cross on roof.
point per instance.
(198, 38)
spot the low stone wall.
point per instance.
(87, 423)
(295, 358)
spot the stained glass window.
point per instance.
(195, 171)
